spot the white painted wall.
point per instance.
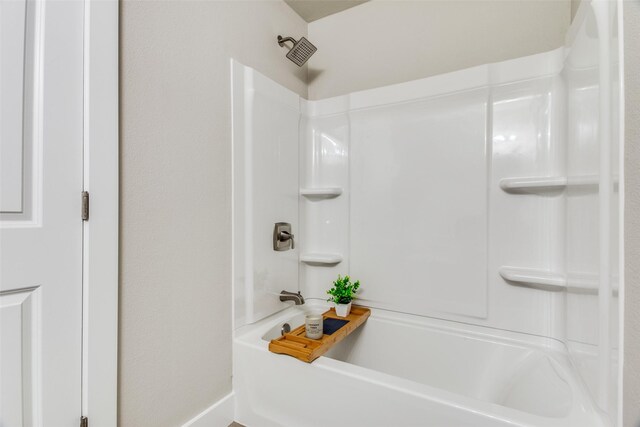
(175, 303)
(384, 42)
(632, 216)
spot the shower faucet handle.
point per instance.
(283, 238)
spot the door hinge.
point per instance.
(84, 422)
(85, 206)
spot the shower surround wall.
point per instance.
(592, 230)
(423, 220)
(483, 196)
(265, 192)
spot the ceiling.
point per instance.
(311, 10)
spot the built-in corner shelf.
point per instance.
(321, 193)
(545, 183)
(321, 259)
(533, 277)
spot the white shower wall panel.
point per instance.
(582, 206)
(429, 226)
(414, 207)
(419, 204)
(526, 227)
(324, 163)
(275, 190)
(593, 228)
(265, 191)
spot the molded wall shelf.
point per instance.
(535, 183)
(545, 183)
(326, 193)
(542, 278)
(321, 259)
(528, 276)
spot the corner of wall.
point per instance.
(220, 414)
(631, 391)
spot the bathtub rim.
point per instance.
(247, 333)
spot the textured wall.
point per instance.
(175, 296)
(384, 42)
(632, 214)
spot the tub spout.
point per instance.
(292, 296)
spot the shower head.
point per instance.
(301, 50)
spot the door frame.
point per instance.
(100, 232)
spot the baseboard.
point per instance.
(220, 414)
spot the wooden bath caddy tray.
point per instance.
(296, 344)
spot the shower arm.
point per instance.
(281, 40)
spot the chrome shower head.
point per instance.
(301, 50)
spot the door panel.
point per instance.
(40, 224)
(20, 331)
(13, 42)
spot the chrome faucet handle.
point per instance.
(283, 236)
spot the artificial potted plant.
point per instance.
(342, 293)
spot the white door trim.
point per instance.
(100, 235)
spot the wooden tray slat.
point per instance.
(296, 344)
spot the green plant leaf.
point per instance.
(343, 291)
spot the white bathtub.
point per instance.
(403, 370)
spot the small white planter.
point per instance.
(342, 310)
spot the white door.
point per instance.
(41, 73)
